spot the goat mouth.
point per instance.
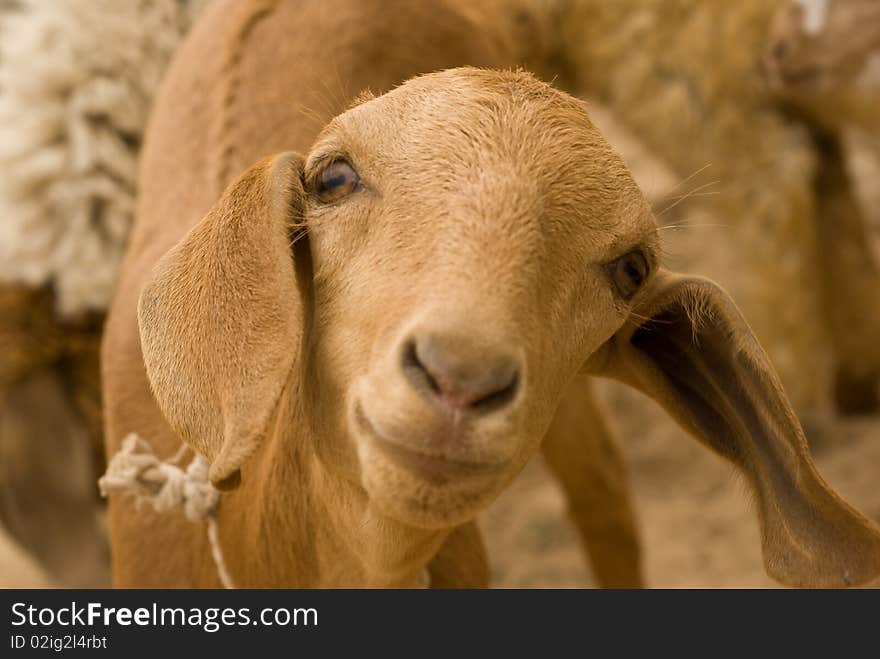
(434, 469)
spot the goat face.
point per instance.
(474, 239)
(471, 244)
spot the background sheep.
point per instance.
(86, 72)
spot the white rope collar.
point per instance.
(136, 469)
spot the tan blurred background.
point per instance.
(753, 128)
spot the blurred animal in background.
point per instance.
(825, 54)
(686, 77)
(823, 58)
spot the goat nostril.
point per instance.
(499, 398)
(417, 373)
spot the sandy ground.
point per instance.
(697, 526)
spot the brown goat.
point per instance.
(369, 343)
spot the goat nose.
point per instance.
(460, 373)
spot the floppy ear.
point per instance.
(218, 318)
(687, 346)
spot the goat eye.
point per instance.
(337, 180)
(629, 273)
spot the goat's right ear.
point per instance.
(218, 318)
(687, 346)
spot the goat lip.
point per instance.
(435, 469)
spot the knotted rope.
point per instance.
(136, 469)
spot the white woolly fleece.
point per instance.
(77, 79)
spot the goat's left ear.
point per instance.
(688, 346)
(220, 318)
